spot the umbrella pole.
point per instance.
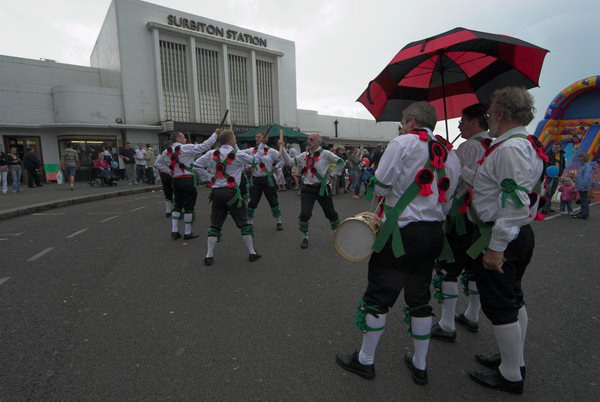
(444, 97)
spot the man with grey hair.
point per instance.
(506, 192)
(315, 186)
(417, 175)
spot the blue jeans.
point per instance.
(356, 181)
(585, 204)
(15, 173)
(550, 190)
(565, 206)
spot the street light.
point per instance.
(335, 123)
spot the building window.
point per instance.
(238, 87)
(208, 85)
(264, 86)
(173, 65)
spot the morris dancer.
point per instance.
(178, 159)
(315, 186)
(417, 175)
(161, 164)
(506, 192)
(263, 179)
(223, 168)
(473, 127)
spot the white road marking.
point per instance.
(40, 254)
(12, 234)
(109, 219)
(137, 209)
(48, 214)
(3, 239)
(574, 210)
(76, 233)
(102, 213)
(3, 280)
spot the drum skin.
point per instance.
(355, 236)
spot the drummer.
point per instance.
(315, 186)
(417, 175)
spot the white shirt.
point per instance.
(404, 156)
(513, 159)
(326, 159)
(189, 153)
(206, 166)
(271, 159)
(469, 153)
(139, 157)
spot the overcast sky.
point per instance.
(340, 44)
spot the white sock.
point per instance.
(168, 206)
(420, 326)
(250, 221)
(371, 339)
(175, 221)
(278, 219)
(449, 306)
(188, 218)
(508, 337)
(211, 242)
(523, 320)
(472, 311)
(306, 236)
(249, 244)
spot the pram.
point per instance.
(102, 177)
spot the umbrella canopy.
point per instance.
(288, 133)
(452, 70)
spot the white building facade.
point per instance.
(152, 69)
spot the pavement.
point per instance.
(52, 195)
(98, 303)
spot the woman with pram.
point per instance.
(102, 172)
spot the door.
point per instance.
(22, 143)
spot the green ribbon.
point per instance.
(509, 190)
(371, 183)
(270, 181)
(276, 211)
(436, 283)
(323, 189)
(407, 320)
(194, 175)
(464, 279)
(303, 226)
(237, 197)
(456, 219)
(446, 254)
(485, 235)
(215, 233)
(361, 313)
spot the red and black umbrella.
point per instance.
(452, 70)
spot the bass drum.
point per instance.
(355, 236)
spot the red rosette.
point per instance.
(443, 185)
(266, 151)
(424, 178)
(216, 155)
(486, 143)
(304, 170)
(178, 149)
(261, 165)
(231, 181)
(316, 155)
(313, 170)
(220, 168)
(182, 166)
(539, 149)
(539, 216)
(169, 151)
(255, 150)
(230, 157)
(423, 135)
(437, 154)
(211, 183)
(444, 142)
(466, 203)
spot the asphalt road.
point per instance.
(96, 302)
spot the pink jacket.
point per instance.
(566, 192)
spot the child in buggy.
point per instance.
(101, 174)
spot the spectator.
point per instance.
(354, 163)
(31, 163)
(14, 166)
(583, 184)
(376, 156)
(69, 162)
(140, 163)
(341, 183)
(128, 156)
(150, 159)
(280, 179)
(4, 171)
(567, 193)
(295, 168)
(107, 156)
(556, 157)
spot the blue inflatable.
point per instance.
(115, 165)
(552, 171)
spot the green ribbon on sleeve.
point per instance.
(509, 190)
(371, 187)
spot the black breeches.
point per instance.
(167, 185)
(184, 193)
(220, 209)
(260, 185)
(308, 196)
(459, 245)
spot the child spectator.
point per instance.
(567, 193)
(280, 179)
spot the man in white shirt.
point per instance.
(222, 168)
(161, 164)
(417, 175)
(314, 164)
(140, 163)
(473, 128)
(506, 192)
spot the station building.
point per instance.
(155, 69)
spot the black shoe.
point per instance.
(492, 378)
(418, 376)
(189, 236)
(493, 360)
(437, 332)
(304, 243)
(472, 326)
(168, 214)
(175, 235)
(279, 226)
(349, 362)
(254, 257)
(208, 260)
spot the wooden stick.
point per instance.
(224, 118)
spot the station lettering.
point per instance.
(216, 31)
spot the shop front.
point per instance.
(88, 147)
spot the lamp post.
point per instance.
(335, 123)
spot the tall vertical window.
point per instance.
(238, 87)
(173, 64)
(207, 62)
(264, 86)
